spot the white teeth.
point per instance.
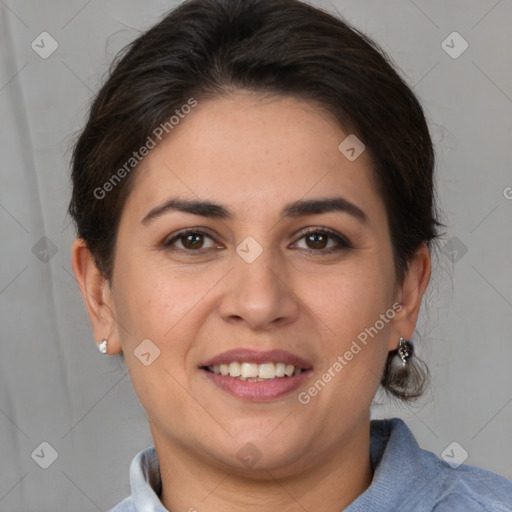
(249, 370)
(255, 372)
(267, 371)
(280, 369)
(235, 370)
(289, 370)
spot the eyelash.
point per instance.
(342, 242)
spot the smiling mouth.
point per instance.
(253, 372)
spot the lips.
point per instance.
(257, 376)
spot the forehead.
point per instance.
(248, 151)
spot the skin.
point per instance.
(254, 155)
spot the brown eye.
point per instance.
(323, 241)
(316, 240)
(191, 240)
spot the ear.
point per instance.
(97, 296)
(410, 294)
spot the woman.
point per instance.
(254, 201)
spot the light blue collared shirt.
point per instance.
(406, 479)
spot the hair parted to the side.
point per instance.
(205, 49)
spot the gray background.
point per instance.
(56, 388)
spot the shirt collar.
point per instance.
(146, 482)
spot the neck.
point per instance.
(334, 480)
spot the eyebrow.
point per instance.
(295, 209)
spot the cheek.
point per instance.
(161, 302)
(348, 306)
(153, 305)
(348, 301)
(147, 305)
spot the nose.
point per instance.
(259, 294)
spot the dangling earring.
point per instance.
(405, 350)
(103, 346)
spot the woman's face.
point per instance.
(265, 276)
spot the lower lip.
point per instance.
(258, 391)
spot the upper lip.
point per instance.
(252, 356)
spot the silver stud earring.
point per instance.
(405, 350)
(103, 346)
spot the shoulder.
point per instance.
(471, 488)
(426, 482)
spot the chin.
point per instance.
(260, 450)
